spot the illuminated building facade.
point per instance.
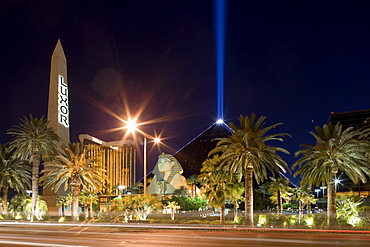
(117, 158)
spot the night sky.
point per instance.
(293, 62)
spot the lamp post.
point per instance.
(317, 192)
(323, 190)
(144, 165)
(132, 126)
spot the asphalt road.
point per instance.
(69, 235)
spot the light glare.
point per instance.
(131, 126)
(220, 121)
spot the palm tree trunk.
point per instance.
(249, 197)
(309, 210)
(236, 206)
(75, 199)
(222, 214)
(35, 186)
(279, 203)
(300, 211)
(4, 192)
(331, 201)
(90, 211)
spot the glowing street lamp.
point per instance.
(132, 127)
(323, 190)
(317, 192)
(122, 189)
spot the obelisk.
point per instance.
(58, 113)
(58, 108)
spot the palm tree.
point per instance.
(75, 170)
(349, 206)
(218, 186)
(245, 152)
(32, 141)
(63, 201)
(87, 199)
(335, 150)
(17, 204)
(236, 195)
(172, 206)
(14, 174)
(279, 187)
(192, 181)
(42, 208)
(303, 196)
(139, 185)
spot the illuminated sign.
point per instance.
(63, 107)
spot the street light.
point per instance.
(122, 189)
(323, 190)
(317, 192)
(132, 127)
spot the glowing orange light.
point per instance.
(131, 126)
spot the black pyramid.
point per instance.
(192, 155)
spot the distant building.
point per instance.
(192, 155)
(351, 118)
(356, 119)
(117, 158)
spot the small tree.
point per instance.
(14, 174)
(348, 208)
(17, 205)
(143, 205)
(279, 188)
(41, 205)
(64, 201)
(87, 199)
(172, 206)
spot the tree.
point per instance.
(87, 199)
(349, 207)
(335, 150)
(279, 187)
(236, 194)
(143, 205)
(41, 206)
(14, 175)
(17, 205)
(172, 206)
(33, 140)
(139, 186)
(181, 191)
(76, 170)
(192, 181)
(303, 196)
(245, 152)
(218, 186)
(63, 201)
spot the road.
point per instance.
(70, 235)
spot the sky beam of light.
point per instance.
(220, 48)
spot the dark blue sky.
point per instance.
(292, 62)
